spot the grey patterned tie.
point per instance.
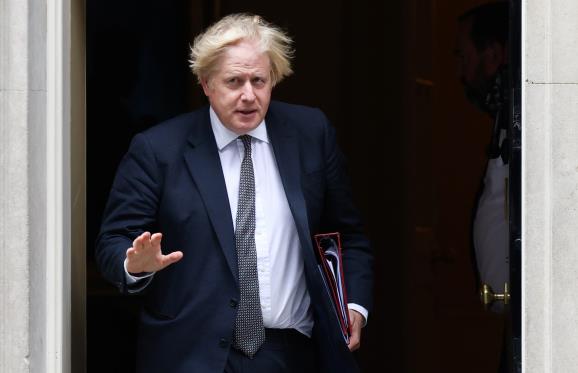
(249, 330)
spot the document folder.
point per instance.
(331, 269)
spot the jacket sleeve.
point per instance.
(131, 210)
(341, 215)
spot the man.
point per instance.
(482, 52)
(482, 48)
(234, 193)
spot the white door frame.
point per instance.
(65, 285)
(58, 197)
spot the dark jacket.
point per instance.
(171, 181)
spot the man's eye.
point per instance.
(232, 81)
(258, 81)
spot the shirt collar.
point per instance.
(225, 136)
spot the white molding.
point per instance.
(522, 179)
(58, 188)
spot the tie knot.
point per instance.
(247, 143)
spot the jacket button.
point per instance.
(233, 303)
(223, 342)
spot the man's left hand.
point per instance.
(357, 321)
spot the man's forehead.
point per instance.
(244, 61)
(242, 67)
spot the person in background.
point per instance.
(482, 50)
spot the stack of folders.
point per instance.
(331, 269)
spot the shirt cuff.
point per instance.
(131, 280)
(361, 310)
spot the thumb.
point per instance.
(171, 258)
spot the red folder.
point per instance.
(331, 269)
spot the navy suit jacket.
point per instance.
(171, 181)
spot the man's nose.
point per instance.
(247, 94)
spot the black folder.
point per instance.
(331, 269)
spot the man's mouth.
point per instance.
(247, 112)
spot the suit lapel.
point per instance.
(204, 165)
(286, 148)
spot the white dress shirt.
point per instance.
(285, 301)
(284, 298)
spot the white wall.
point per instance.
(17, 90)
(550, 186)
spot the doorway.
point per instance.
(384, 73)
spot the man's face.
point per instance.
(471, 69)
(240, 89)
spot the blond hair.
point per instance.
(210, 45)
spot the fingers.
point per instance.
(138, 245)
(171, 258)
(145, 255)
(155, 240)
(354, 340)
(145, 241)
(356, 323)
(142, 242)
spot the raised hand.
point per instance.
(145, 255)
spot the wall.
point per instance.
(550, 186)
(34, 187)
(22, 93)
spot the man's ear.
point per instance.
(494, 56)
(205, 85)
